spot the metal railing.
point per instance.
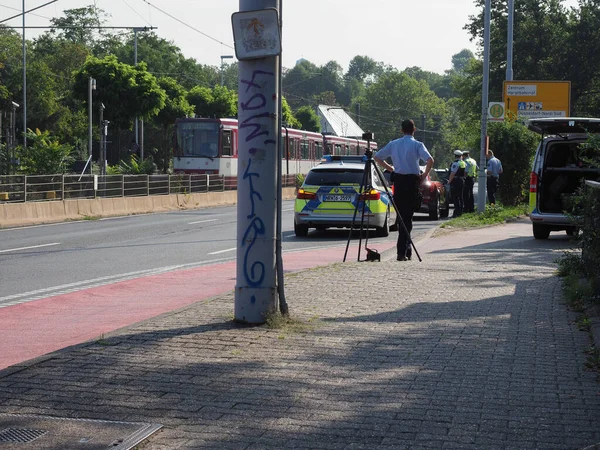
(32, 188)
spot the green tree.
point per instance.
(308, 119)
(217, 102)
(288, 118)
(540, 34)
(176, 106)
(125, 91)
(397, 96)
(515, 146)
(584, 58)
(44, 154)
(77, 25)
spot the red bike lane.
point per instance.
(35, 328)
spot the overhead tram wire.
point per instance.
(189, 26)
(17, 9)
(27, 12)
(136, 13)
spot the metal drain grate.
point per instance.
(20, 435)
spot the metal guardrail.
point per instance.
(32, 188)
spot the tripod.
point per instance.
(365, 188)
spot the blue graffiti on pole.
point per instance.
(254, 270)
(255, 274)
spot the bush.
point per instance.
(133, 167)
(514, 145)
(299, 180)
(44, 155)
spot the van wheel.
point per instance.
(300, 230)
(541, 232)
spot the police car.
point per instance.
(330, 195)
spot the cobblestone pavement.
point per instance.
(471, 349)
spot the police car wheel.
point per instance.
(300, 230)
(384, 231)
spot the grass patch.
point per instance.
(285, 323)
(91, 217)
(492, 215)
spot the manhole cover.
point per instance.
(20, 432)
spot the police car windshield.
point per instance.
(333, 177)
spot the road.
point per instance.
(41, 261)
(67, 283)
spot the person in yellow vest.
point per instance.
(457, 182)
(470, 174)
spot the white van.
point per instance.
(558, 171)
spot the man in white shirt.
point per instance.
(406, 153)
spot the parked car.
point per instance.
(558, 171)
(435, 197)
(330, 196)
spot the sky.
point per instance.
(423, 33)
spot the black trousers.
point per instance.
(468, 200)
(456, 187)
(406, 190)
(492, 187)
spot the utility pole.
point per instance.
(24, 83)
(509, 40)
(135, 61)
(222, 66)
(91, 87)
(13, 135)
(258, 136)
(101, 146)
(481, 189)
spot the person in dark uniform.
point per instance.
(457, 182)
(405, 152)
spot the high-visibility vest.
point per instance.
(471, 167)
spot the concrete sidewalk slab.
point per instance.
(473, 348)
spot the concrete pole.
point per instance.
(24, 83)
(135, 32)
(91, 87)
(509, 40)
(481, 189)
(255, 291)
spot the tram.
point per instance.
(210, 146)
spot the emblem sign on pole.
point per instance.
(496, 111)
(256, 34)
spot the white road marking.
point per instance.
(28, 248)
(223, 251)
(202, 221)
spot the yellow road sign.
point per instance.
(535, 99)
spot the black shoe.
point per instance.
(409, 257)
(401, 258)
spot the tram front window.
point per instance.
(198, 139)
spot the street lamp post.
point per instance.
(91, 87)
(222, 58)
